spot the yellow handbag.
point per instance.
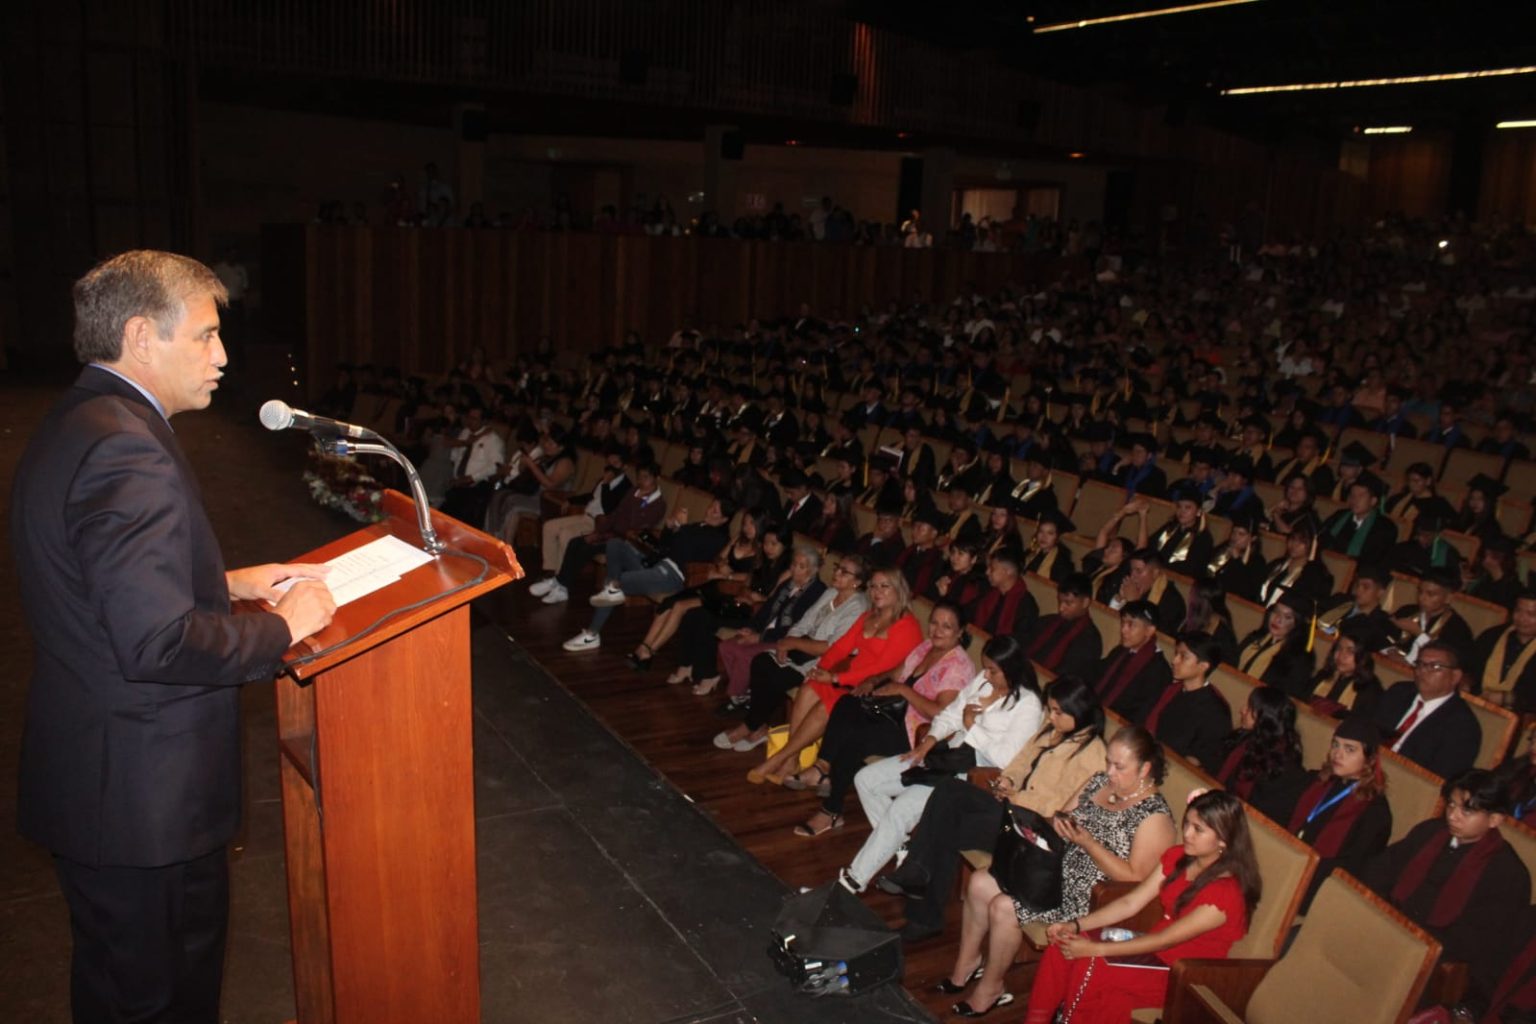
(779, 736)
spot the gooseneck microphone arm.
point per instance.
(343, 446)
(276, 415)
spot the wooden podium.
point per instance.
(378, 790)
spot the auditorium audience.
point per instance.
(1135, 391)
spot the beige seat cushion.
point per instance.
(1352, 961)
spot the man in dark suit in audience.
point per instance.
(801, 507)
(130, 759)
(1427, 720)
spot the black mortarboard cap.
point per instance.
(1357, 454)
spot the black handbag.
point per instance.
(1027, 859)
(941, 763)
(891, 708)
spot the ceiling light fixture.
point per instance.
(1516, 124)
(1062, 26)
(1450, 76)
(1388, 129)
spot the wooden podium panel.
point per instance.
(378, 793)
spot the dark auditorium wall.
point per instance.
(1509, 177)
(1411, 174)
(421, 300)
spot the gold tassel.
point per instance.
(1312, 634)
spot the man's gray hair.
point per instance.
(140, 282)
(808, 551)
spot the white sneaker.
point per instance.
(609, 595)
(544, 586)
(586, 640)
(557, 595)
(743, 745)
(723, 740)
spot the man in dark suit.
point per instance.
(1427, 720)
(130, 762)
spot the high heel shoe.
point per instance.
(949, 988)
(638, 663)
(704, 687)
(680, 675)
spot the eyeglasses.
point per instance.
(1432, 666)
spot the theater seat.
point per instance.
(1355, 959)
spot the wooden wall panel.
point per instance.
(1509, 177)
(422, 300)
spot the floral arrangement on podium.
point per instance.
(340, 482)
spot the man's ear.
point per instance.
(139, 332)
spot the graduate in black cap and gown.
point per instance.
(1360, 530)
(1279, 652)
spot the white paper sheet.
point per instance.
(373, 566)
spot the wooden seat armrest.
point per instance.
(1447, 984)
(1231, 981)
(1107, 891)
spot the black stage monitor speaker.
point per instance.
(829, 943)
(732, 145)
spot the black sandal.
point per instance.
(797, 783)
(638, 663)
(966, 1010)
(949, 988)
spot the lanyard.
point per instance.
(1323, 805)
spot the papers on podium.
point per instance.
(373, 566)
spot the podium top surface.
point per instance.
(474, 564)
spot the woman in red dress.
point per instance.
(875, 645)
(1208, 888)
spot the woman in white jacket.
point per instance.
(994, 716)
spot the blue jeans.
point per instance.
(627, 568)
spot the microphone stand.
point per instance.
(344, 446)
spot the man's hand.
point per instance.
(307, 608)
(259, 582)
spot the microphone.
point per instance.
(279, 415)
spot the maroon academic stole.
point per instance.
(1126, 668)
(1060, 639)
(1454, 896)
(1331, 839)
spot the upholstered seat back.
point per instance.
(1354, 960)
(1286, 864)
(1412, 792)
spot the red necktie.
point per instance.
(1413, 716)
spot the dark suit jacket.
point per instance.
(131, 747)
(1446, 742)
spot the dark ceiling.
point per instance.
(1185, 60)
